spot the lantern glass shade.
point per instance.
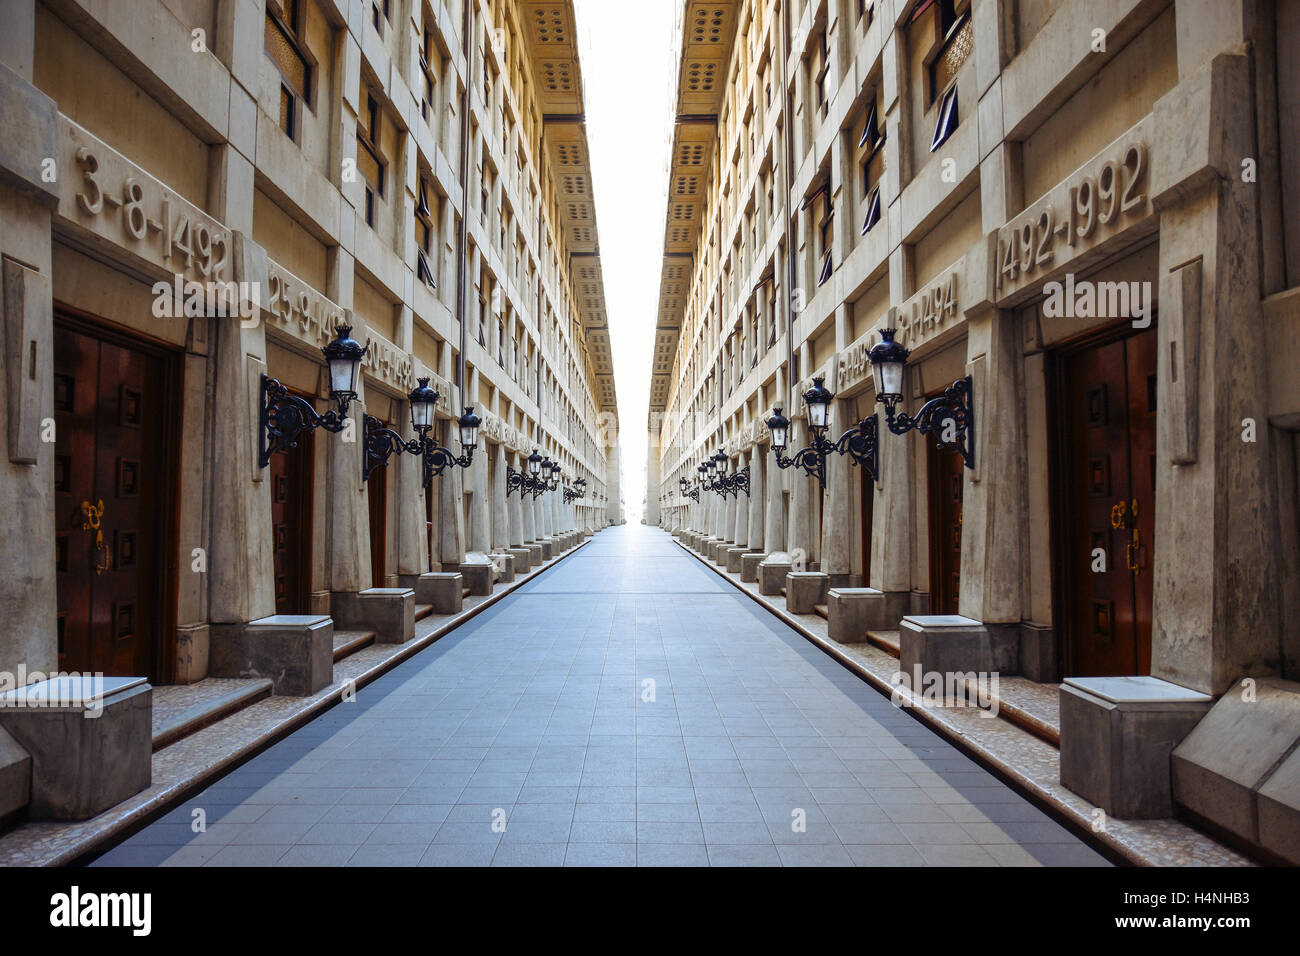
(534, 463)
(469, 423)
(344, 356)
(888, 359)
(779, 426)
(818, 400)
(721, 459)
(423, 401)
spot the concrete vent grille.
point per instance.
(700, 77)
(708, 25)
(557, 78)
(548, 25)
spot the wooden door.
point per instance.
(946, 471)
(292, 484)
(377, 493)
(1107, 503)
(112, 442)
(868, 509)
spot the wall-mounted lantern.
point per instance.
(687, 490)
(859, 442)
(382, 443)
(285, 417)
(949, 417)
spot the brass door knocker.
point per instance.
(92, 515)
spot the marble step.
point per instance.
(887, 641)
(349, 642)
(823, 610)
(422, 611)
(183, 709)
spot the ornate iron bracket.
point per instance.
(517, 481)
(438, 459)
(859, 443)
(285, 417)
(382, 443)
(950, 418)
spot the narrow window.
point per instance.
(286, 49)
(947, 118)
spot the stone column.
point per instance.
(500, 510)
(838, 506)
(348, 515)
(774, 519)
(517, 532)
(800, 544)
(757, 502)
(729, 518)
(528, 515)
(740, 533)
(451, 520)
(412, 541)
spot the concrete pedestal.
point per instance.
(804, 590)
(505, 566)
(944, 644)
(296, 651)
(478, 577)
(749, 562)
(734, 556)
(523, 559)
(719, 555)
(851, 612)
(1117, 735)
(1238, 767)
(771, 573)
(389, 612)
(90, 741)
(535, 555)
(548, 548)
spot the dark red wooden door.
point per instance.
(377, 492)
(111, 444)
(1109, 463)
(291, 475)
(946, 471)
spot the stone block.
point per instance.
(389, 612)
(535, 555)
(851, 612)
(1221, 765)
(1117, 734)
(15, 776)
(804, 590)
(478, 578)
(944, 644)
(505, 565)
(734, 556)
(523, 559)
(771, 573)
(1038, 652)
(548, 549)
(749, 562)
(296, 651)
(1279, 810)
(444, 591)
(90, 740)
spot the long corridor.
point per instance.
(628, 707)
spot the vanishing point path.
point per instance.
(627, 707)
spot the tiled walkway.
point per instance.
(626, 708)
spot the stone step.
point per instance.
(887, 641)
(464, 593)
(183, 709)
(422, 611)
(823, 610)
(349, 642)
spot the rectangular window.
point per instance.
(288, 53)
(369, 163)
(947, 118)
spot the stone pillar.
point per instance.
(740, 531)
(891, 516)
(800, 543)
(451, 521)
(517, 533)
(729, 518)
(1216, 505)
(412, 541)
(838, 507)
(480, 512)
(757, 502)
(774, 521)
(500, 508)
(347, 519)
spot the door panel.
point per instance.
(1108, 498)
(110, 499)
(377, 493)
(946, 471)
(291, 476)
